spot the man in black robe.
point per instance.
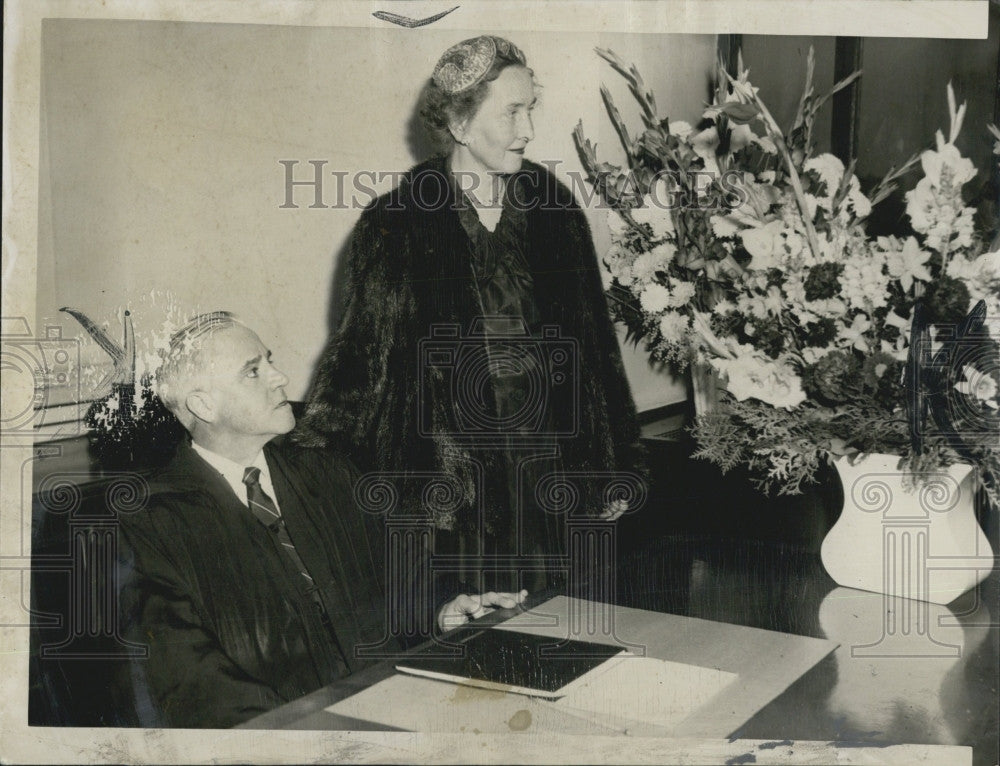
(251, 575)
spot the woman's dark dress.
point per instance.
(505, 287)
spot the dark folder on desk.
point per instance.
(510, 661)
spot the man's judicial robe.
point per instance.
(230, 627)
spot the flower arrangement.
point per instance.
(127, 425)
(733, 246)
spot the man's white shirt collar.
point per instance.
(233, 472)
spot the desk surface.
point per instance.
(929, 677)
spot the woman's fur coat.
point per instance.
(383, 390)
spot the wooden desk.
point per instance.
(921, 694)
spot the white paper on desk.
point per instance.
(644, 689)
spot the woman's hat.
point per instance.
(463, 65)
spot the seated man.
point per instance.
(250, 576)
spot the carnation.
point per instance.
(857, 203)
(822, 332)
(679, 128)
(664, 253)
(946, 300)
(769, 336)
(822, 281)
(724, 306)
(880, 374)
(831, 378)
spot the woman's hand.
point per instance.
(465, 607)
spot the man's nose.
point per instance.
(278, 378)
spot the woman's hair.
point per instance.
(439, 109)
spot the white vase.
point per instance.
(916, 542)
(705, 385)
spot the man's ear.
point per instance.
(457, 130)
(201, 405)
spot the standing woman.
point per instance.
(476, 344)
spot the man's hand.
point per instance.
(464, 608)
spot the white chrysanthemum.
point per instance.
(857, 202)
(664, 253)
(829, 169)
(624, 275)
(654, 298)
(680, 128)
(645, 267)
(723, 307)
(681, 293)
(674, 327)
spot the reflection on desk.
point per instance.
(743, 667)
(774, 587)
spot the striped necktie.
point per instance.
(266, 511)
